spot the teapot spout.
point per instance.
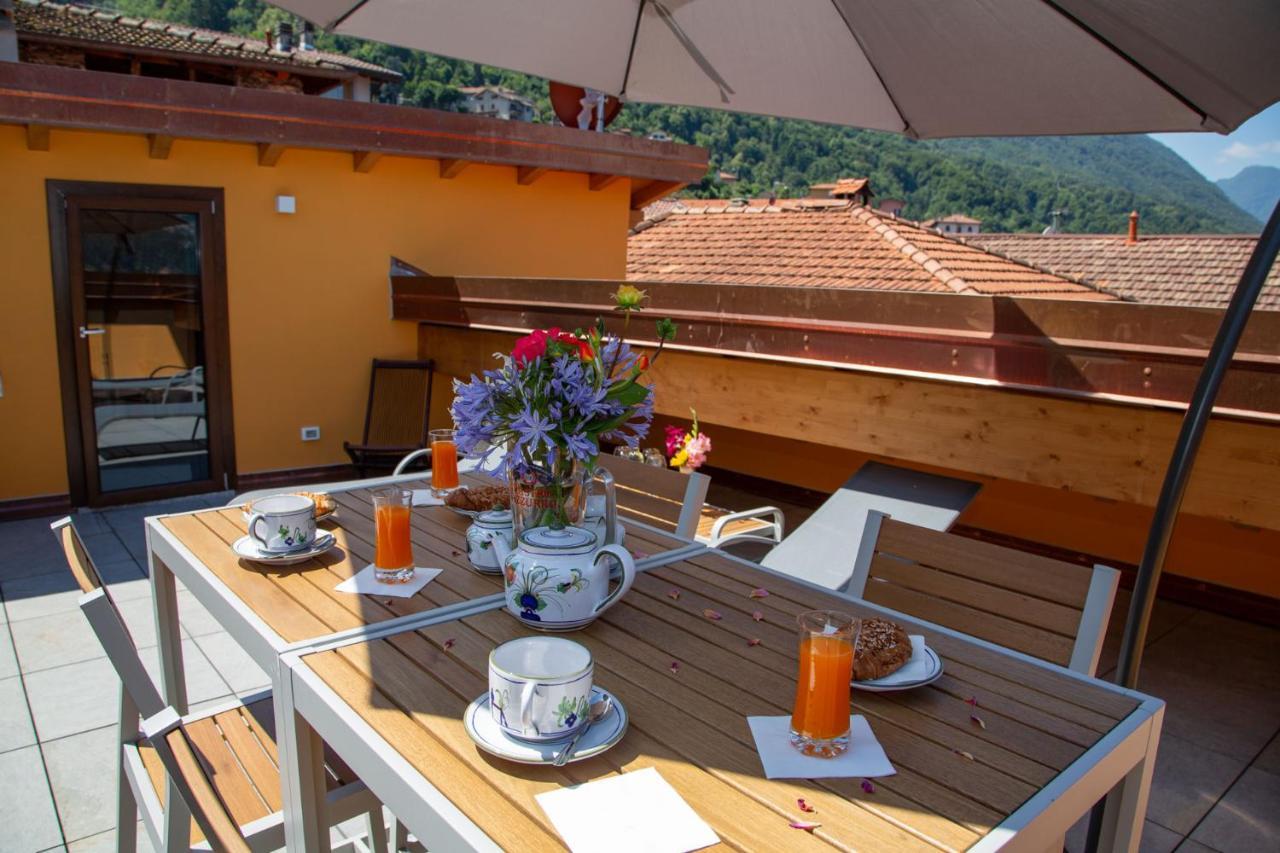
(500, 546)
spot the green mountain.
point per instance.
(1010, 184)
(1255, 189)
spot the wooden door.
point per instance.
(140, 295)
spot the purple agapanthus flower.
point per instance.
(532, 430)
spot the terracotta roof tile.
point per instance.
(66, 21)
(1194, 269)
(827, 244)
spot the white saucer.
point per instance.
(250, 550)
(480, 725)
(895, 681)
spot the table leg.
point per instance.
(302, 774)
(164, 594)
(1126, 805)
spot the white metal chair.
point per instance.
(232, 747)
(1048, 608)
(659, 497)
(764, 525)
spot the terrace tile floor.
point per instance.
(1217, 779)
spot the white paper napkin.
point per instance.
(632, 813)
(364, 582)
(781, 760)
(423, 497)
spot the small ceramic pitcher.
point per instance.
(490, 526)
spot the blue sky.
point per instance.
(1255, 143)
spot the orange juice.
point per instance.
(444, 464)
(393, 551)
(822, 689)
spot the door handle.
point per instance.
(85, 331)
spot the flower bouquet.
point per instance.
(687, 450)
(547, 407)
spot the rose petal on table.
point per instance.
(758, 616)
(456, 553)
(963, 754)
(759, 593)
(978, 721)
(972, 700)
(754, 641)
(448, 644)
(713, 615)
(673, 594)
(638, 555)
(803, 806)
(868, 787)
(675, 667)
(807, 826)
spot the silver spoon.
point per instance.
(597, 712)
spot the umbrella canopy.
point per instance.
(920, 67)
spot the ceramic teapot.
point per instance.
(558, 579)
(489, 526)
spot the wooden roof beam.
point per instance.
(449, 168)
(159, 145)
(38, 137)
(526, 175)
(598, 182)
(651, 191)
(269, 153)
(362, 161)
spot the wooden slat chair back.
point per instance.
(1047, 608)
(107, 623)
(659, 497)
(397, 413)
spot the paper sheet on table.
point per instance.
(423, 497)
(633, 813)
(364, 582)
(781, 760)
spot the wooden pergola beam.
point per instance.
(598, 182)
(269, 153)
(653, 190)
(38, 137)
(526, 175)
(159, 145)
(449, 168)
(362, 161)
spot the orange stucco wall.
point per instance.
(307, 293)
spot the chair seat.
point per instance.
(712, 514)
(237, 748)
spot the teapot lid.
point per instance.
(494, 518)
(549, 540)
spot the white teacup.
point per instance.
(540, 687)
(288, 523)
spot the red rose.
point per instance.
(531, 346)
(643, 363)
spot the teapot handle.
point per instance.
(628, 575)
(610, 506)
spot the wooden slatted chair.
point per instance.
(659, 497)
(395, 419)
(233, 747)
(1047, 608)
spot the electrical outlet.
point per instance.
(311, 433)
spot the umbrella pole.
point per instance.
(1179, 472)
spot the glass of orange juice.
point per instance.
(393, 552)
(444, 462)
(820, 721)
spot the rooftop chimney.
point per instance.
(8, 34)
(307, 41)
(284, 37)
(1133, 229)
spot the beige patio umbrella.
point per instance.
(926, 68)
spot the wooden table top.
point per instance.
(299, 602)
(956, 778)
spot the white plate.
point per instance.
(250, 550)
(482, 728)
(893, 681)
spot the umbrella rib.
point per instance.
(1142, 69)
(907, 129)
(635, 34)
(347, 14)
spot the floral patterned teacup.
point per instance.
(283, 523)
(540, 687)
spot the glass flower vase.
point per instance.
(551, 492)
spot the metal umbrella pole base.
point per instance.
(1199, 409)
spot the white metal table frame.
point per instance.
(1118, 767)
(168, 560)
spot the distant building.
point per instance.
(727, 177)
(857, 190)
(496, 102)
(955, 225)
(660, 136)
(891, 206)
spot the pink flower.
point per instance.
(698, 447)
(675, 439)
